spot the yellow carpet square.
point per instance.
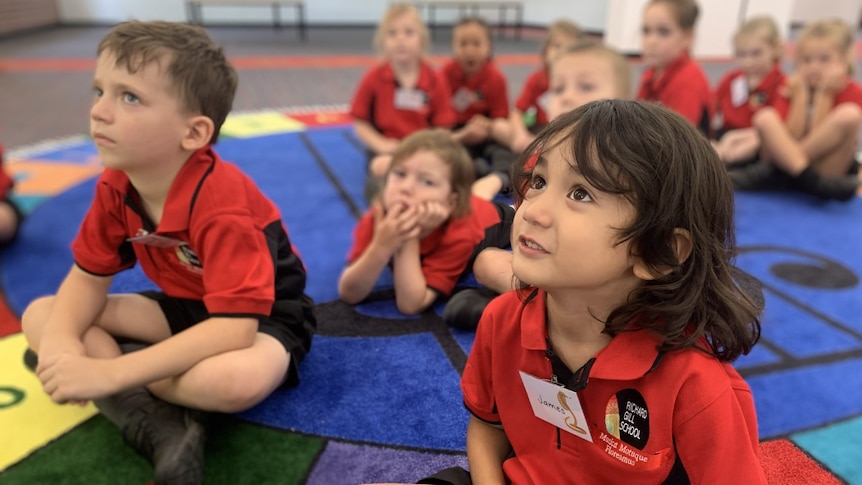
(28, 419)
(259, 124)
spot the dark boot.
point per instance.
(464, 309)
(760, 175)
(839, 188)
(170, 437)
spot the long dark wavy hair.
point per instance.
(671, 175)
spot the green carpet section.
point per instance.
(237, 453)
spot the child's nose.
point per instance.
(100, 110)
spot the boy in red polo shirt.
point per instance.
(530, 112)
(10, 215)
(757, 83)
(813, 149)
(612, 363)
(672, 78)
(479, 95)
(400, 95)
(231, 323)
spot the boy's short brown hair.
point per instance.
(453, 154)
(198, 70)
(621, 67)
(562, 27)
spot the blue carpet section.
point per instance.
(391, 390)
(838, 446)
(380, 385)
(793, 400)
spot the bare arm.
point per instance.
(487, 448)
(797, 114)
(373, 139)
(412, 294)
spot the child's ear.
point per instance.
(689, 40)
(199, 133)
(682, 246)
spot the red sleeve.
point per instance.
(362, 235)
(443, 266)
(242, 279)
(851, 94)
(6, 181)
(498, 101)
(731, 422)
(527, 97)
(722, 93)
(443, 115)
(449, 72)
(101, 248)
(477, 383)
(360, 107)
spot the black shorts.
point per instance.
(450, 476)
(293, 327)
(19, 218)
(497, 236)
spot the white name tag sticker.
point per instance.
(739, 91)
(556, 405)
(409, 99)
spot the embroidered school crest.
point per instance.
(627, 418)
(189, 259)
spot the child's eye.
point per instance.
(130, 98)
(580, 194)
(427, 182)
(537, 182)
(558, 89)
(98, 92)
(586, 87)
(663, 31)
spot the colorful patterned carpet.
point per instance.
(379, 399)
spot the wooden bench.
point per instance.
(195, 10)
(473, 8)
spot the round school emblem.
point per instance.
(189, 259)
(627, 418)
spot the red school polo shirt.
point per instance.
(736, 114)
(533, 94)
(484, 93)
(852, 93)
(210, 245)
(447, 250)
(6, 181)
(685, 403)
(374, 102)
(682, 87)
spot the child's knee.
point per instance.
(764, 117)
(34, 318)
(848, 115)
(238, 394)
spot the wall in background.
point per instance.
(21, 15)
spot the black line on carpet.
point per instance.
(351, 138)
(801, 363)
(815, 313)
(775, 349)
(333, 179)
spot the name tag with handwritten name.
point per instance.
(556, 405)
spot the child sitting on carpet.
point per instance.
(400, 95)
(530, 112)
(232, 322)
(813, 149)
(584, 72)
(672, 78)
(10, 215)
(479, 95)
(426, 225)
(757, 83)
(611, 363)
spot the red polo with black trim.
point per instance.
(220, 240)
(374, 102)
(682, 87)
(445, 252)
(484, 93)
(533, 95)
(736, 114)
(643, 410)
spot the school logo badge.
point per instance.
(627, 418)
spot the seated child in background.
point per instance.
(672, 78)
(233, 322)
(611, 363)
(530, 112)
(479, 96)
(400, 95)
(758, 82)
(813, 149)
(583, 72)
(10, 215)
(426, 225)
